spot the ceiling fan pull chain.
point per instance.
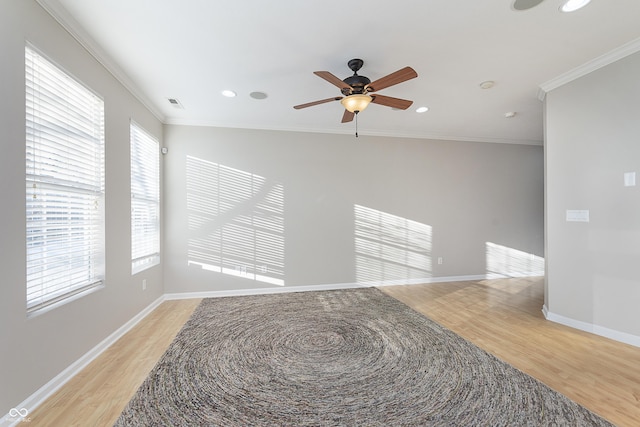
(356, 124)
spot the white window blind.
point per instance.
(145, 200)
(64, 185)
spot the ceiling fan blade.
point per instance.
(392, 102)
(347, 116)
(407, 73)
(332, 79)
(322, 101)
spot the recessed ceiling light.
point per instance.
(510, 114)
(573, 5)
(422, 110)
(525, 4)
(487, 85)
(258, 95)
(229, 93)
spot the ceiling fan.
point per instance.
(358, 90)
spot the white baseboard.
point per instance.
(309, 288)
(512, 274)
(261, 291)
(63, 377)
(443, 279)
(623, 337)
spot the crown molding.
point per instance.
(68, 22)
(595, 64)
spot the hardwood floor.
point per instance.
(502, 316)
(98, 394)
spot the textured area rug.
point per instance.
(353, 357)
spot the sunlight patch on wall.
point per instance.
(504, 261)
(389, 247)
(235, 221)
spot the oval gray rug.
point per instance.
(352, 357)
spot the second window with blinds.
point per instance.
(145, 200)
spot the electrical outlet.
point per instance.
(144, 284)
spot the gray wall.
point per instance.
(458, 195)
(34, 350)
(592, 139)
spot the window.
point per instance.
(64, 185)
(145, 200)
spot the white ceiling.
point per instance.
(193, 49)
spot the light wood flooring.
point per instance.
(502, 316)
(505, 318)
(97, 395)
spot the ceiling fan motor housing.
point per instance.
(356, 82)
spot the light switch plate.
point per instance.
(578, 215)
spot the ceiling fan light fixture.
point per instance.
(573, 5)
(356, 103)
